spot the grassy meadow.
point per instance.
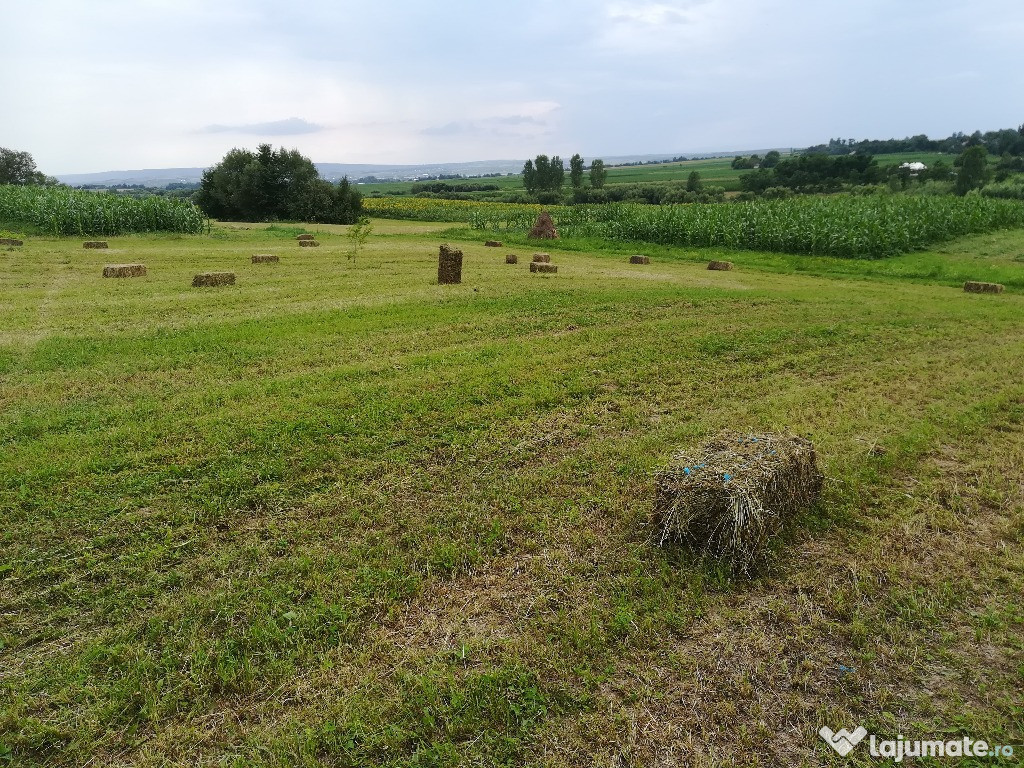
(337, 514)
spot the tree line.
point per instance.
(544, 174)
(1006, 141)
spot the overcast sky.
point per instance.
(93, 85)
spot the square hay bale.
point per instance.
(95, 244)
(511, 258)
(720, 265)
(638, 259)
(542, 258)
(449, 265)
(536, 266)
(309, 243)
(544, 227)
(305, 236)
(493, 244)
(265, 258)
(10, 241)
(730, 496)
(124, 270)
(209, 279)
(973, 286)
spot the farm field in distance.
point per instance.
(338, 514)
(714, 171)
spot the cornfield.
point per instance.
(848, 227)
(64, 211)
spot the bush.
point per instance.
(269, 185)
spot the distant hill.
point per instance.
(161, 177)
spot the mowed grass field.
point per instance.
(339, 515)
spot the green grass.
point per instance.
(338, 514)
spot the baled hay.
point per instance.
(541, 267)
(511, 258)
(544, 227)
(638, 259)
(493, 244)
(124, 270)
(209, 279)
(973, 286)
(449, 265)
(542, 258)
(722, 265)
(10, 241)
(95, 244)
(728, 498)
(309, 243)
(265, 258)
(306, 236)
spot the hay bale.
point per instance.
(721, 265)
(536, 266)
(265, 258)
(309, 243)
(638, 259)
(10, 241)
(544, 227)
(973, 286)
(542, 258)
(124, 270)
(511, 259)
(305, 236)
(493, 244)
(727, 498)
(208, 279)
(449, 265)
(95, 244)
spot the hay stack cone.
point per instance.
(729, 497)
(544, 228)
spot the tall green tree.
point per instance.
(529, 177)
(576, 171)
(598, 174)
(274, 185)
(542, 163)
(973, 173)
(693, 182)
(556, 174)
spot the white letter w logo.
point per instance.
(842, 741)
